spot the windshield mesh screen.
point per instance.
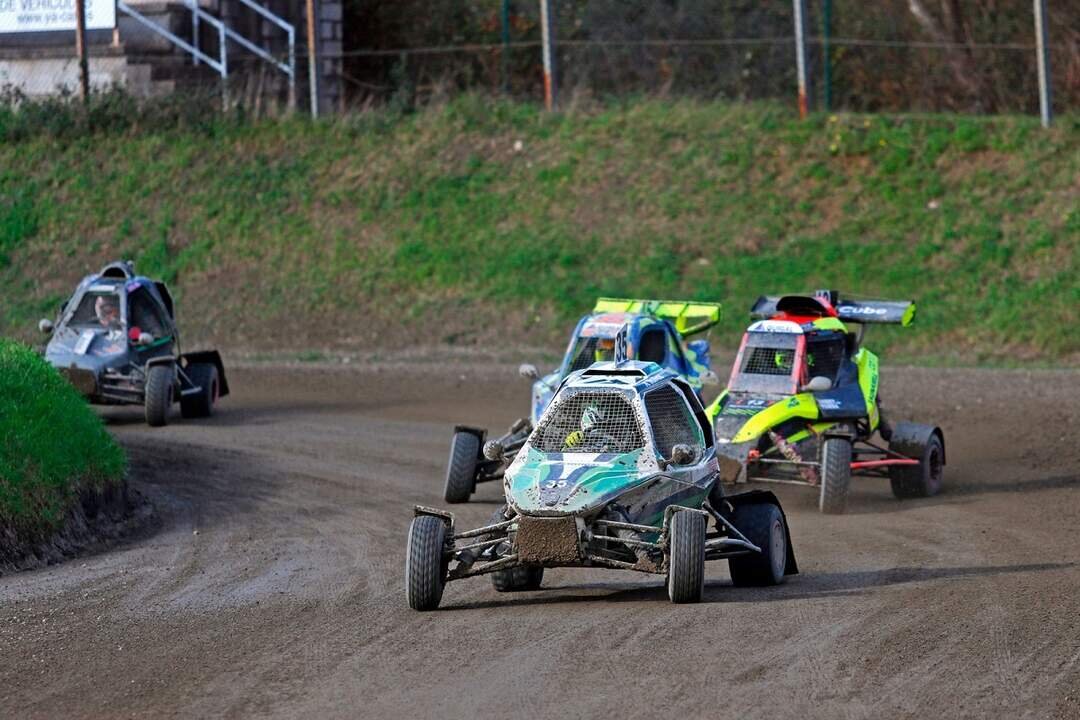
(97, 310)
(824, 358)
(589, 422)
(671, 420)
(768, 361)
(584, 354)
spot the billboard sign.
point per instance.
(23, 16)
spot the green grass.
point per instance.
(52, 446)
(382, 230)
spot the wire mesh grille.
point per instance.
(671, 420)
(824, 358)
(769, 361)
(590, 422)
(584, 354)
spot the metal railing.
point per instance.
(225, 33)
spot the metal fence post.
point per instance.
(826, 23)
(547, 33)
(800, 55)
(292, 68)
(80, 50)
(1043, 61)
(313, 59)
(506, 46)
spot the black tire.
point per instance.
(159, 394)
(425, 562)
(924, 479)
(686, 557)
(517, 579)
(835, 475)
(762, 525)
(461, 469)
(201, 404)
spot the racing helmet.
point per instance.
(591, 417)
(605, 350)
(107, 310)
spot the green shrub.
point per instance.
(52, 445)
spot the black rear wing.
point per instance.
(848, 308)
(891, 312)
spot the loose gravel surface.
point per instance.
(272, 586)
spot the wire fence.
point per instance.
(595, 54)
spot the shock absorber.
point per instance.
(789, 452)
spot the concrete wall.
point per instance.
(51, 72)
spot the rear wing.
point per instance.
(850, 309)
(688, 318)
(892, 312)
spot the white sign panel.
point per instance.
(19, 16)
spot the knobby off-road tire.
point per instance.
(762, 525)
(461, 469)
(924, 479)
(201, 404)
(159, 394)
(517, 579)
(835, 475)
(425, 565)
(686, 557)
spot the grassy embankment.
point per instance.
(52, 447)
(485, 222)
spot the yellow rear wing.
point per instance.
(687, 317)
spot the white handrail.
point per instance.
(218, 65)
(221, 65)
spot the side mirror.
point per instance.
(493, 450)
(819, 383)
(528, 372)
(710, 378)
(681, 454)
(45, 326)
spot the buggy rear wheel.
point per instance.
(924, 479)
(158, 394)
(516, 579)
(835, 475)
(201, 404)
(762, 525)
(686, 557)
(461, 470)
(425, 562)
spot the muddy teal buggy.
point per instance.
(619, 472)
(655, 331)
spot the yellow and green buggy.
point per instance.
(802, 403)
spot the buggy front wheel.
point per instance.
(461, 469)
(686, 557)
(159, 394)
(835, 475)
(426, 562)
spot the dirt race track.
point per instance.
(272, 583)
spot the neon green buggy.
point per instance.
(802, 403)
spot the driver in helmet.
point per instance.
(605, 350)
(107, 310)
(591, 419)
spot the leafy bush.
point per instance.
(52, 446)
